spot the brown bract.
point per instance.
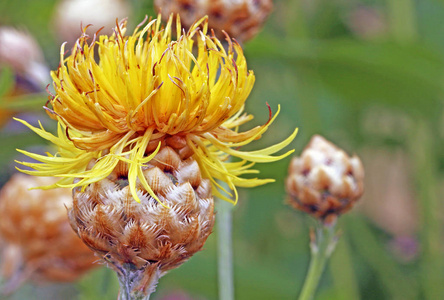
(324, 181)
(146, 239)
(36, 238)
(241, 19)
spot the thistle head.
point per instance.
(241, 19)
(146, 239)
(324, 181)
(35, 234)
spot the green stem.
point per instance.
(322, 245)
(422, 150)
(136, 284)
(225, 252)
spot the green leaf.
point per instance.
(25, 102)
(395, 282)
(406, 76)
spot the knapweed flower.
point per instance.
(143, 241)
(148, 92)
(241, 19)
(153, 121)
(35, 235)
(324, 181)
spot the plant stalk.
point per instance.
(323, 242)
(137, 284)
(422, 150)
(225, 250)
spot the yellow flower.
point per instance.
(145, 91)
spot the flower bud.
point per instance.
(36, 238)
(241, 19)
(324, 181)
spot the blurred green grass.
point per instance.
(327, 76)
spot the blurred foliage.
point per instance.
(367, 74)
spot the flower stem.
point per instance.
(422, 145)
(137, 284)
(225, 252)
(323, 242)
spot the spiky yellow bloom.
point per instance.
(148, 90)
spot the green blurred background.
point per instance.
(367, 75)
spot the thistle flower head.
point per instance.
(36, 238)
(143, 241)
(324, 181)
(241, 19)
(148, 90)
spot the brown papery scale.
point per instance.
(142, 240)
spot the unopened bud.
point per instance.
(324, 181)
